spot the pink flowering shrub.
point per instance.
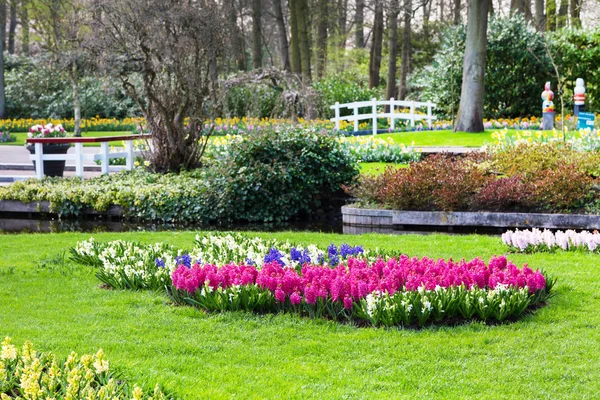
(423, 288)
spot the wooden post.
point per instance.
(104, 160)
(337, 115)
(39, 160)
(79, 159)
(412, 113)
(129, 158)
(374, 112)
(429, 113)
(392, 110)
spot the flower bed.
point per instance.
(6, 137)
(132, 265)
(580, 140)
(29, 374)
(238, 272)
(399, 291)
(535, 240)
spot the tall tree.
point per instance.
(376, 46)
(539, 15)
(561, 20)
(302, 39)
(550, 15)
(12, 27)
(393, 12)
(359, 22)
(256, 34)
(25, 27)
(456, 10)
(323, 22)
(169, 46)
(517, 6)
(576, 13)
(63, 26)
(470, 114)
(406, 49)
(294, 39)
(342, 13)
(283, 41)
(2, 41)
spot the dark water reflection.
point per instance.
(22, 225)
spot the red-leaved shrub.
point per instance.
(504, 194)
(440, 182)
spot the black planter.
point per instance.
(52, 168)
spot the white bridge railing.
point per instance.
(393, 115)
(79, 157)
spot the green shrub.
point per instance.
(277, 175)
(34, 89)
(516, 68)
(254, 100)
(343, 89)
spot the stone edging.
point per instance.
(43, 207)
(375, 218)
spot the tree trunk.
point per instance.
(441, 10)
(517, 6)
(322, 38)
(303, 38)
(470, 117)
(283, 42)
(25, 27)
(390, 90)
(456, 12)
(539, 15)
(359, 22)
(406, 50)
(256, 35)
(2, 41)
(550, 15)
(426, 16)
(342, 17)
(491, 12)
(376, 47)
(295, 43)
(561, 20)
(576, 13)
(12, 28)
(76, 100)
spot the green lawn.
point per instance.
(552, 353)
(441, 138)
(376, 168)
(22, 136)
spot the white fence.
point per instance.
(79, 157)
(412, 116)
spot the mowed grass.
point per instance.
(377, 168)
(441, 138)
(22, 137)
(552, 353)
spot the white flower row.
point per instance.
(536, 239)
